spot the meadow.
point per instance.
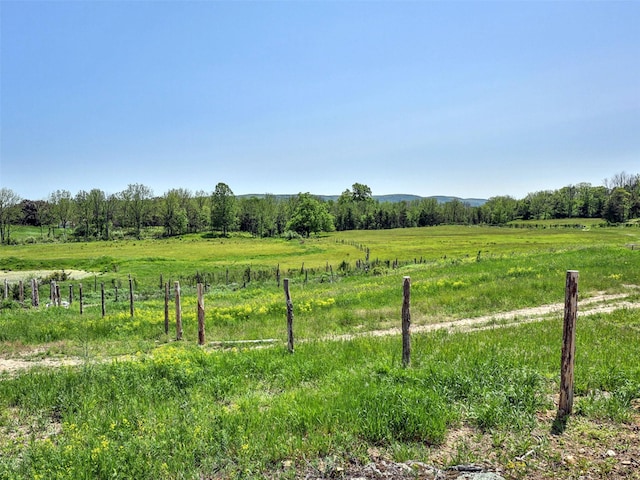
(138, 404)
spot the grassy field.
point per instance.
(138, 404)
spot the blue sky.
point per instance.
(472, 99)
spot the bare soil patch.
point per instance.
(16, 276)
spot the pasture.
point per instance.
(134, 403)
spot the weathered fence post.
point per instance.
(102, 299)
(130, 295)
(278, 275)
(406, 322)
(287, 297)
(200, 314)
(178, 311)
(565, 405)
(35, 293)
(21, 292)
(70, 294)
(166, 308)
(52, 292)
(58, 301)
(80, 297)
(6, 289)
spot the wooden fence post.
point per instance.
(178, 311)
(130, 295)
(568, 344)
(21, 292)
(278, 275)
(200, 314)
(80, 297)
(102, 299)
(70, 294)
(287, 297)
(35, 293)
(406, 322)
(6, 289)
(166, 308)
(58, 301)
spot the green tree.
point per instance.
(96, 200)
(174, 214)
(8, 212)
(198, 211)
(310, 216)
(62, 204)
(82, 214)
(500, 210)
(223, 208)
(616, 209)
(137, 201)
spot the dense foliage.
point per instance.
(97, 215)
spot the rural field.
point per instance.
(112, 395)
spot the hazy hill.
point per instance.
(400, 197)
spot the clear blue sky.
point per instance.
(473, 99)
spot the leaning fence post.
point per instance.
(200, 314)
(178, 311)
(406, 322)
(287, 296)
(568, 344)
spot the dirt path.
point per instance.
(601, 303)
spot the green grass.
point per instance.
(183, 411)
(142, 405)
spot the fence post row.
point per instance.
(565, 405)
(406, 322)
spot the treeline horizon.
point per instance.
(95, 215)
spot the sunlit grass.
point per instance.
(142, 405)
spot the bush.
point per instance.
(58, 276)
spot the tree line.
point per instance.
(96, 215)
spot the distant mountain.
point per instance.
(400, 197)
(474, 202)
